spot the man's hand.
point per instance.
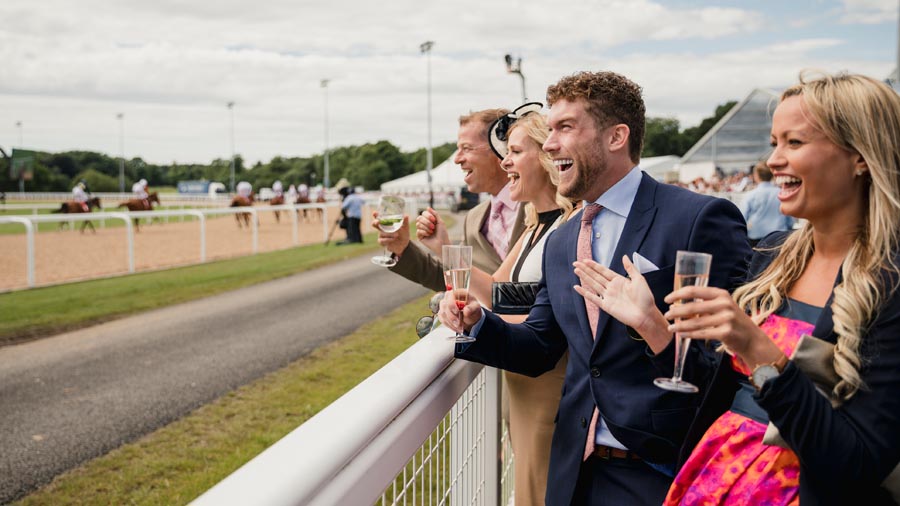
(431, 231)
(395, 242)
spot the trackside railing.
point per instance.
(29, 221)
(424, 429)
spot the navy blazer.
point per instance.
(615, 371)
(845, 453)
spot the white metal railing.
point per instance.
(422, 417)
(30, 220)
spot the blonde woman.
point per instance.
(517, 139)
(835, 157)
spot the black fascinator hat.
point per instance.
(500, 129)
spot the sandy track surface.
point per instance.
(69, 255)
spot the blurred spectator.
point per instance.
(761, 207)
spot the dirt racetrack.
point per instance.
(69, 255)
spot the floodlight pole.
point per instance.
(21, 175)
(425, 47)
(121, 118)
(327, 178)
(231, 110)
(515, 67)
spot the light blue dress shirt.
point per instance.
(762, 212)
(607, 228)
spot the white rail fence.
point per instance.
(424, 429)
(29, 222)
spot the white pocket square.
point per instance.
(643, 265)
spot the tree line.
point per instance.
(368, 165)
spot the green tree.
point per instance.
(98, 182)
(663, 137)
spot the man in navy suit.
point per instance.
(617, 434)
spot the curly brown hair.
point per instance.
(611, 98)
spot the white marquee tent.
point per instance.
(446, 177)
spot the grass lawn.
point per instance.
(179, 462)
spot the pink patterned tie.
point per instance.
(585, 252)
(498, 230)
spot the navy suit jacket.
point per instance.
(615, 371)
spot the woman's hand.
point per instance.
(449, 313)
(711, 314)
(628, 300)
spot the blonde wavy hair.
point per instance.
(861, 115)
(536, 128)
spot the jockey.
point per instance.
(139, 190)
(303, 192)
(244, 189)
(80, 196)
(292, 194)
(278, 189)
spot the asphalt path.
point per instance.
(70, 398)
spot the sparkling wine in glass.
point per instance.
(390, 219)
(458, 268)
(691, 269)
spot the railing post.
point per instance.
(294, 222)
(493, 428)
(255, 227)
(325, 220)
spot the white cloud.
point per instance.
(69, 67)
(868, 11)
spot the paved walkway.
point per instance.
(70, 398)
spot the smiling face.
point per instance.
(527, 177)
(817, 178)
(577, 146)
(480, 165)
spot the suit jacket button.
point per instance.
(595, 372)
(583, 422)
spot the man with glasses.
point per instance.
(490, 227)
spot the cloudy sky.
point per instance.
(170, 67)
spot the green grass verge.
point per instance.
(179, 462)
(38, 312)
(44, 311)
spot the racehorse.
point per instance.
(277, 201)
(72, 207)
(302, 200)
(239, 201)
(140, 205)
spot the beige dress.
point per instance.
(533, 402)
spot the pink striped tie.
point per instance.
(585, 252)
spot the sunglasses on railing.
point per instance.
(427, 323)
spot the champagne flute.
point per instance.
(458, 268)
(691, 269)
(390, 219)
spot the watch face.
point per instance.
(763, 373)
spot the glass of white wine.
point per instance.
(390, 219)
(691, 269)
(457, 272)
